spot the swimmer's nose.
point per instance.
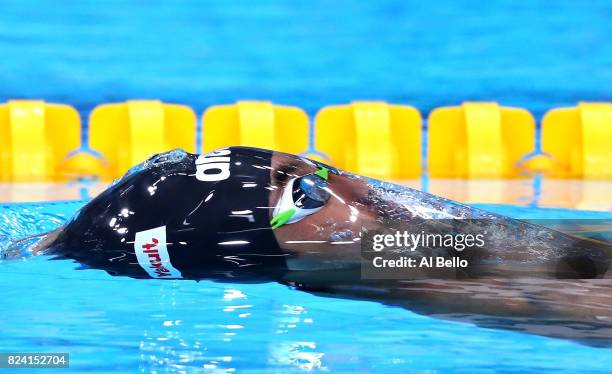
(591, 260)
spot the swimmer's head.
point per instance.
(226, 213)
(238, 213)
(223, 214)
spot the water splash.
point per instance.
(22, 226)
(160, 159)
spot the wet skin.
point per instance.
(574, 309)
(323, 256)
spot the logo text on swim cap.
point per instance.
(152, 253)
(213, 166)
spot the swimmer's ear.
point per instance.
(281, 218)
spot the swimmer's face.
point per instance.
(331, 229)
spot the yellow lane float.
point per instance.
(376, 139)
(35, 137)
(579, 140)
(126, 134)
(255, 124)
(479, 140)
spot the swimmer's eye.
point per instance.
(310, 192)
(302, 196)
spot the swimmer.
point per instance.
(251, 215)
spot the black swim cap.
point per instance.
(180, 215)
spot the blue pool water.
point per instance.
(534, 54)
(109, 323)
